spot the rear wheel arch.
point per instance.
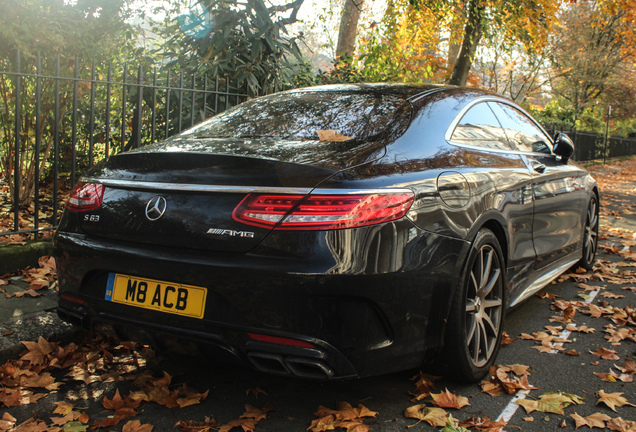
(497, 228)
(499, 232)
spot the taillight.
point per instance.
(85, 197)
(321, 212)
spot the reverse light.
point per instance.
(321, 212)
(85, 197)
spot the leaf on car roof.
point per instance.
(332, 135)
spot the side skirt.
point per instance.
(543, 277)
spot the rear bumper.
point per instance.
(351, 322)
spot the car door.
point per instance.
(480, 130)
(559, 197)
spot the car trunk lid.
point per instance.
(185, 199)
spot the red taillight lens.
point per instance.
(85, 197)
(321, 212)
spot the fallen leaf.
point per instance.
(424, 384)
(614, 377)
(37, 351)
(194, 426)
(434, 416)
(255, 392)
(485, 424)
(628, 367)
(447, 399)
(117, 402)
(247, 424)
(595, 420)
(7, 422)
(506, 339)
(618, 424)
(136, 426)
(257, 414)
(606, 354)
(552, 402)
(612, 400)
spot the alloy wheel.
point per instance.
(590, 241)
(484, 306)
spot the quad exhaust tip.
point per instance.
(294, 366)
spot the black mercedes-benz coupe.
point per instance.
(333, 231)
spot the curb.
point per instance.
(18, 257)
(31, 327)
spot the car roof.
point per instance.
(408, 91)
(402, 90)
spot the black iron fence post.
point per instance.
(17, 149)
(38, 144)
(140, 103)
(74, 116)
(56, 140)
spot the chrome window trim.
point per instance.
(451, 128)
(184, 187)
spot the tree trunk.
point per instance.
(456, 30)
(348, 27)
(472, 36)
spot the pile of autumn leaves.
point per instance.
(39, 279)
(98, 359)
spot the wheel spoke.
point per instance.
(485, 270)
(475, 284)
(488, 304)
(476, 342)
(471, 306)
(470, 334)
(491, 283)
(487, 321)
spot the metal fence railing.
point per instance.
(58, 118)
(589, 146)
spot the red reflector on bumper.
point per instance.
(72, 299)
(280, 340)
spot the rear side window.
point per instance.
(522, 132)
(479, 127)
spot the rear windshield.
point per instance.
(306, 116)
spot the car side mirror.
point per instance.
(563, 146)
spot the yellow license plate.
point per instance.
(156, 295)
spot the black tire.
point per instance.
(475, 322)
(590, 235)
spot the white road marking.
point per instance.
(512, 406)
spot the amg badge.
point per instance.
(231, 233)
